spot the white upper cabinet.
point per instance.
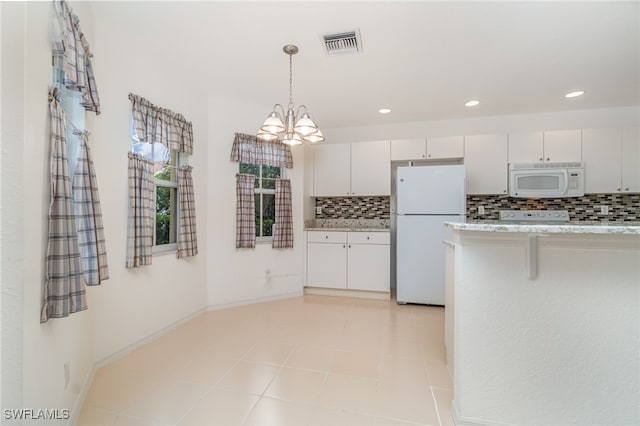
(445, 147)
(362, 168)
(331, 170)
(371, 168)
(631, 159)
(563, 146)
(408, 149)
(485, 160)
(552, 146)
(430, 149)
(526, 147)
(602, 157)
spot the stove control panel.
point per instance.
(534, 215)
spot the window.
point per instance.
(71, 102)
(166, 162)
(265, 197)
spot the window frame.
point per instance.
(181, 160)
(71, 102)
(263, 191)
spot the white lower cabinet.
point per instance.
(327, 265)
(348, 260)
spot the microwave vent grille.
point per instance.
(567, 165)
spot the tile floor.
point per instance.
(311, 360)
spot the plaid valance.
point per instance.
(249, 149)
(72, 55)
(155, 124)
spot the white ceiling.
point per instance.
(422, 59)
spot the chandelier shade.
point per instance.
(293, 126)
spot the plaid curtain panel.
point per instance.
(283, 233)
(245, 211)
(142, 203)
(155, 124)
(71, 54)
(249, 149)
(64, 290)
(187, 238)
(88, 214)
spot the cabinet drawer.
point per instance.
(326, 237)
(369, 238)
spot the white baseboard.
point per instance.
(235, 304)
(86, 383)
(470, 421)
(363, 294)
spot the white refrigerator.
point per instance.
(427, 196)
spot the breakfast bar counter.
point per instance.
(543, 323)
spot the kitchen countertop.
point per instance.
(630, 228)
(348, 225)
(344, 229)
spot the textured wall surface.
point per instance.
(557, 350)
(622, 207)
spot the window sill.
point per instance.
(164, 249)
(264, 240)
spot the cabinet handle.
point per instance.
(343, 246)
(349, 245)
(367, 238)
(504, 191)
(422, 155)
(429, 156)
(548, 159)
(619, 189)
(541, 158)
(326, 236)
(626, 189)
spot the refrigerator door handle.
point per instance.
(463, 197)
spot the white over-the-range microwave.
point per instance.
(546, 180)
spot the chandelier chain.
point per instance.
(290, 80)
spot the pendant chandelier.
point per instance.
(295, 127)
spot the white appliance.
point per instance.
(546, 180)
(427, 197)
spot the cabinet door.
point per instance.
(525, 147)
(368, 267)
(485, 160)
(408, 149)
(602, 157)
(371, 168)
(445, 147)
(631, 159)
(563, 145)
(327, 265)
(331, 170)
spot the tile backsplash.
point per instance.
(353, 207)
(622, 207)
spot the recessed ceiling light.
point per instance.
(574, 94)
(472, 103)
(384, 110)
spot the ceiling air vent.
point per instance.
(342, 43)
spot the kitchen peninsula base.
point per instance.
(545, 324)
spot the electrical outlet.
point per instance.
(319, 210)
(604, 209)
(481, 210)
